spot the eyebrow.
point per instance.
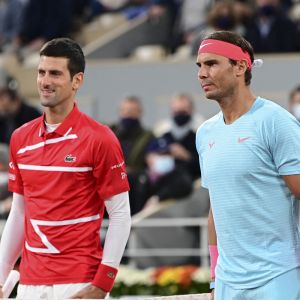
(207, 62)
(52, 71)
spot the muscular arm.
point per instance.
(12, 237)
(213, 249)
(293, 183)
(212, 236)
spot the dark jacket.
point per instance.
(25, 114)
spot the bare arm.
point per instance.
(293, 183)
(213, 249)
(212, 236)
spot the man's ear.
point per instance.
(77, 81)
(242, 67)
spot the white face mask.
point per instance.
(163, 164)
(3, 178)
(296, 111)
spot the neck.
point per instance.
(56, 115)
(235, 106)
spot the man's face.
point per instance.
(216, 75)
(181, 105)
(130, 109)
(55, 85)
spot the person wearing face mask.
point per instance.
(5, 194)
(181, 135)
(271, 30)
(134, 140)
(133, 137)
(294, 102)
(163, 179)
(221, 16)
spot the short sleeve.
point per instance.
(110, 168)
(15, 182)
(284, 138)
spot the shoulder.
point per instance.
(26, 132)
(28, 127)
(209, 124)
(270, 112)
(97, 131)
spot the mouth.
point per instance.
(46, 93)
(206, 86)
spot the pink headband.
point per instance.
(224, 49)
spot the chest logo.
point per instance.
(241, 140)
(70, 158)
(211, 145)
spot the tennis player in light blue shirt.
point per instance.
(250, 162)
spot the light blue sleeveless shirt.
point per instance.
(256, 216)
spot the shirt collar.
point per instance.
(66, 126)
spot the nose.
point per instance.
(202, 73)
(44, 80)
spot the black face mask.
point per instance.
(181, 119)
(224, 22)
(129, 123)
(267, 10)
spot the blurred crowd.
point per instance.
(270, 25)
(162, 162)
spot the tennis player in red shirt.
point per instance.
(65, 169)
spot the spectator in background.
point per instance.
(14, 111)
(162, 180)
(271, 30)
(134, 139)
(41, 21)
(191, 16)
(222, 16)
(181, 135)
(10, 19)
(294, 102)
(5, 195)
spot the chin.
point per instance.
(209, 96)
(46, 103)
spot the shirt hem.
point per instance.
(51, 281)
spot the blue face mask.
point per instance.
(163, 164)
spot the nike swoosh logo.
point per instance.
(205, 45)
(241, 140)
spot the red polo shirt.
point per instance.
(64, 177)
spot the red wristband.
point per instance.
(105, 277)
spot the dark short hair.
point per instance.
(68, 48)
(235, 39)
